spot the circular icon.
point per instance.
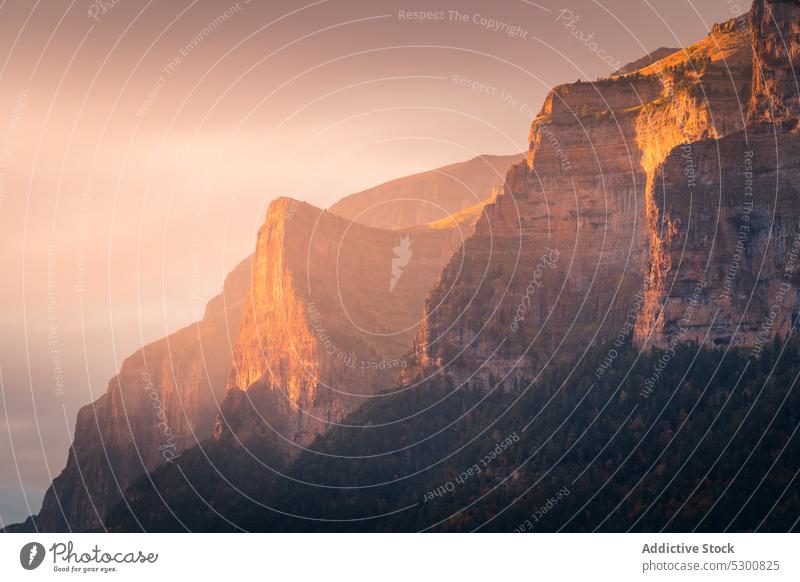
(31, 555)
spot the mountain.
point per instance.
(611, 341)
(776, 99)
(330, 316)
(163, 400)
(727, 211)
(656, 55)
(302, 300)
(429, 196)
(606, 344)
(572, 452)
(576, 237)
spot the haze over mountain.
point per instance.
(305, 330)
(600, 327)
(141, 150)
(428, 196)
(581, 219)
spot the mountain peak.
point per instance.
(427, 196)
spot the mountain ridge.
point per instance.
(601, 234)
(427, 196)
(598, 220)
(114, 443)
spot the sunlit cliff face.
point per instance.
(138, 161)
(331, 313)
(590, 194)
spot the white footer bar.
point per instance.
(400, 557)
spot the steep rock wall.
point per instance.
(330, 316)
(726, 213)
(428, 196)
(564, 253)
(164, 400)
(776, 88)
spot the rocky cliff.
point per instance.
(320, 311)
(776, 88)
(657, 207)
(429, 196)
(562, 259)
(726, 220)
(657, 55)
(163, 400)
(330, 316)
(654, 208)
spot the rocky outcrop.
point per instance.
(658, 207)
(562, 259)
(330, 316)
(167, 396)
(727, 234)
(707, 94)
(429, 196)
(164, 400)
(776, 88)
(667, 197)
(656, 55)
(334, 298)
(732, 243)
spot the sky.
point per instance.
(141, 143)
